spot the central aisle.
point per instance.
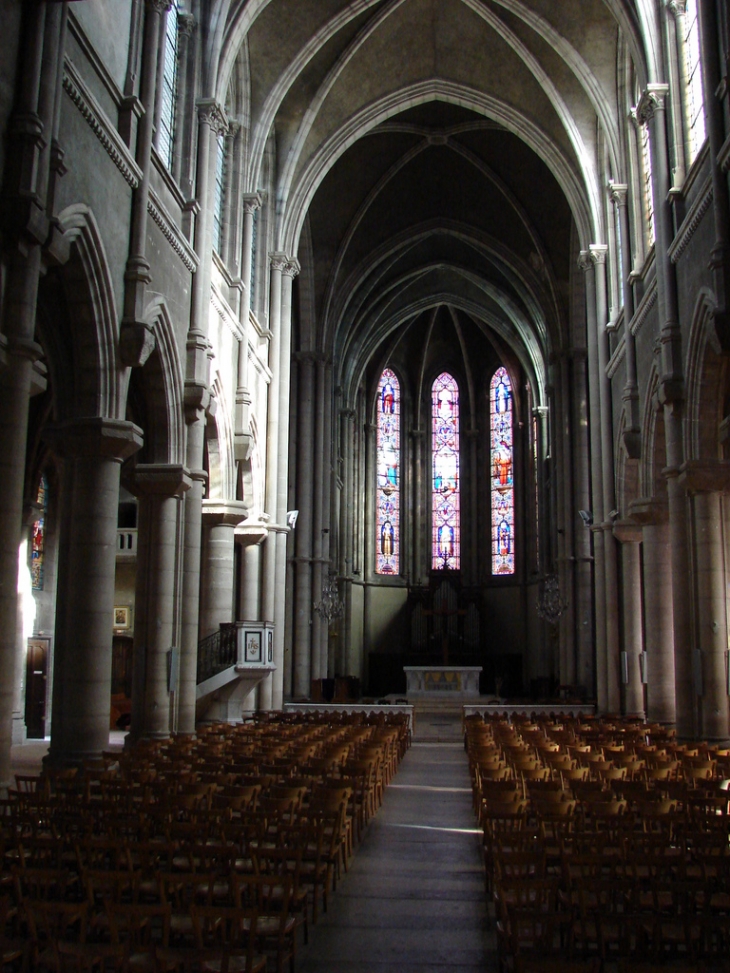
(413, 900)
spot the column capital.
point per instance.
(705, 476)
(584, 261)
(253, 534)
(213, 114)
(225, 512)
(618, 191)
(652, 100)
(161, 479)
(114, 439)
(251, 202)
(185, 24)
(598, 253)
(278, 260)
(627, 532)
(649, 511)
(292, 268)
(158, 6)
(678, 8)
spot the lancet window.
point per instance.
(502, 466)
(387, 541)
(445, 481)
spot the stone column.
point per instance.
(250, 536)
(160, 489)
(613, 696)
(242, 433)
(658, 627)
(279, 529)
(347, 650)
(630, 394)
(585, 663)
(268, 607)
(599, 581)
(629, 536)
(220, 519)
(421, 558)
(704, 481)
(93, 451)
(303, 533)
(320, 475)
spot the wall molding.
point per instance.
(99, 123)
(172, 233)
(642, 312)
(691, 222)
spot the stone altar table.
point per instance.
(442, 682)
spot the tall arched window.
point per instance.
(693, 71)
(166, 135)
(38, 540)
(445, 497)
(220, 188)
(387, 541)
(503, 494)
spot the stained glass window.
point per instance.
(445, 496)
(387, 541)
(503, 495)
(39, 536)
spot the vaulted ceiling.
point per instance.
(434, 152)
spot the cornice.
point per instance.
(172, 233)
(617, 357)
(100, 125)
(691, 222)
(642, 312)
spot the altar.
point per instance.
(442, 682)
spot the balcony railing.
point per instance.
(217, 652)
(127, 542)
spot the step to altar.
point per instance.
(437, 721)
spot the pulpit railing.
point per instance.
(217, 652)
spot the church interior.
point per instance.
(340, 337)
(370, 354)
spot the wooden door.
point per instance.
(36, 673)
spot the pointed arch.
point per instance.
(86, 277)
(704, 377)
(171, 417)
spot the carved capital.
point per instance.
(230, 513)
(212, 114)
(251, 202)
(678, 8)
(136, 342)
(278, 261)
(598, 253)
(158, 6)
(652, 100)
(185, 25)
(584, 261)
(618, 192)
(292, 268)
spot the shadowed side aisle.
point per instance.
(414, 897)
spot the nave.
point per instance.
(413, 900)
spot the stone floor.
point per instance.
(413, 899)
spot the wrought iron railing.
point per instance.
(217, 652)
